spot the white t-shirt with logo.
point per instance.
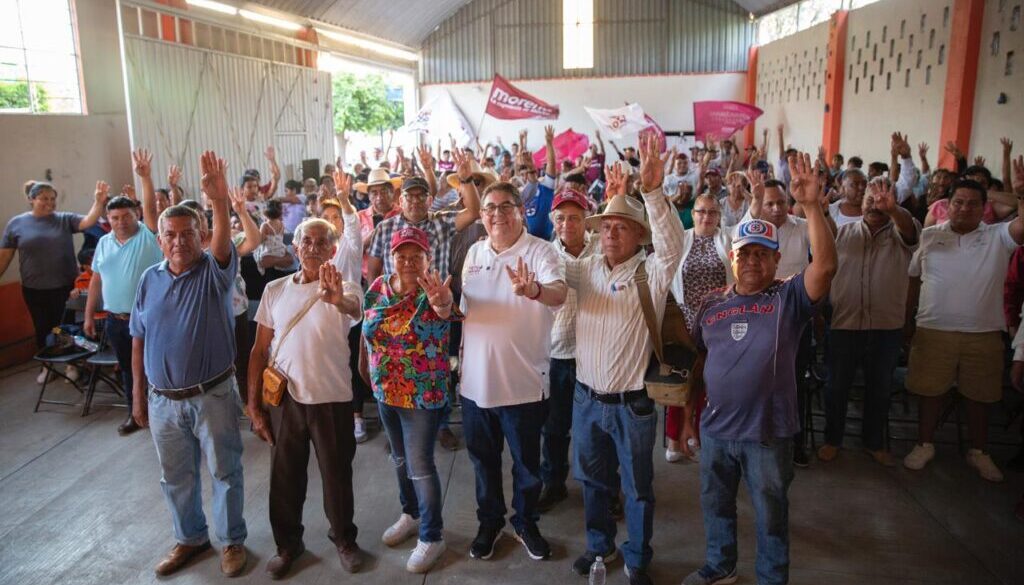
(506, 339)
(314, 355)
(962, 277)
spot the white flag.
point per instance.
(620, 121)
(440, 117)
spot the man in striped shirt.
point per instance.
(614, 421)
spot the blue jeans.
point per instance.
(554, 465)
(121, 342)
(185, 430)
(767, 469)
(876, 352)
(486, 429)
(412, 433)
(606, 438)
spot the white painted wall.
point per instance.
(895, 31)
(666, 98)
(78, 150)
(991, 119)
(791, 89)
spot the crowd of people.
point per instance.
(468, 277)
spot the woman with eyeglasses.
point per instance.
(46, 253)
(704, 268)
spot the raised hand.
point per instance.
(902, 145)
(463, 165)
(804, 185)
(439, 293)
(1007, 145)
(214, 182)
(652, 164)
(270, 154)
(102, 192)
(922, 149)
(756, 180)
(342, 182)
(426, 158)
(953, 149)
(142, 160)
(523, 281)
(129, 192)
(549, 135)
(331, 288)
(979, 161)
(237, 197)
(615, 180)
(884, 196)
(1018, 176)
(173, 176)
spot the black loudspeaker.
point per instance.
(311, 169)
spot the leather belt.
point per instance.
(120, 316)
(201, 388)
(617, 397)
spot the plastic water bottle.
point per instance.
(86, 344)
(597, 572)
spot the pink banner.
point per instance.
(568, 145)
(508, 102)
(722, 119)
(655, 130)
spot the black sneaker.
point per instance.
(800, 458)
(549, 496)
(581, 566)
(536, 546)
(483, 545)
(637, 576)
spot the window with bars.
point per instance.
(39, 58)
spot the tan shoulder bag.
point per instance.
(668, 378)
(275, 383)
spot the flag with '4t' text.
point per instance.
(508, 102)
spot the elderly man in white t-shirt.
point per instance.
(304, 319)
(512, 283)
(614, 422)
(957, 278)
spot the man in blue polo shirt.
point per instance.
(749, 335)
(120, 258)
(183, 348)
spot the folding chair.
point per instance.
(50, 363)
(105, 358)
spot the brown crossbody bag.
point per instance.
(668, 378)
(275, 383)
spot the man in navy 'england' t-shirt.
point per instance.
(748, 335)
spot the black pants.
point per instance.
(243, 346)
(46, 306)
(804, 357)
(359, 389)
(121, 342)
(328, 427)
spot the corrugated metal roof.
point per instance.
(410, 22)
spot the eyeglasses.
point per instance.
(505, 209)
(419, 196)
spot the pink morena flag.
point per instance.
(568, 145)
(722, 119)
(508, 102)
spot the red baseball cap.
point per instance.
(566, 195)
(410, 235)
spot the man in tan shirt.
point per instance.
(869, 295)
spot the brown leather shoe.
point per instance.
(883, 457)
(351, 557)
(448, 439)
(279, 566)
(232, 560)
(828, 452)
(179, 556)
(128, 427)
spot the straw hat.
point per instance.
(627, 208)
(379, 177)
(487, 176)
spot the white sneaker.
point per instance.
(400, 531)
(41, 378)
(673, 456)
(981, 461)
(919, 456)
(425, 556)
(360, 430)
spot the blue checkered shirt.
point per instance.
(440, 228)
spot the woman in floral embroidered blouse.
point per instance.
(406, 321)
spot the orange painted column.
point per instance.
(748, 136)
(961, 77)
(835, 65)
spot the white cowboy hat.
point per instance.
(379, 177)
(487, 176)
(625, 207)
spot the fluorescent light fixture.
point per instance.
(263, 18)
(369, 45)
(215, 6)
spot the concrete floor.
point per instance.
(78, 504)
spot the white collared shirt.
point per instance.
(348, 258)
(563, 334)
(506, 339)
(613, 344)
